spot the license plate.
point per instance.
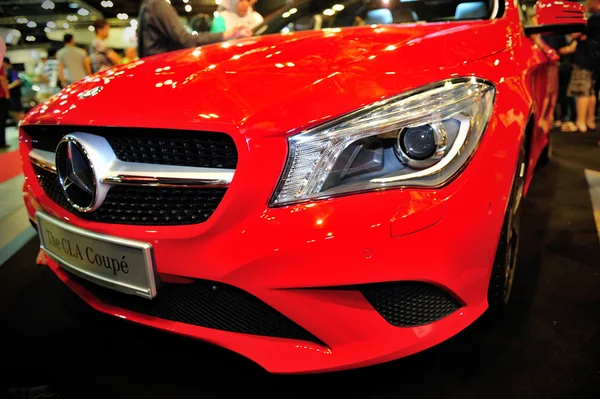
(117, 263)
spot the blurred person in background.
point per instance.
(39, 68)
(38, 71)
(48, 78)
(160, 30)
(564, 113)
(234, 13)
(258, 19)
(73, 62)
(103, 57)
(201, 23)
(130, 55)
(585, 64)
(4, 103)
(14, 86)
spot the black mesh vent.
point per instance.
(410, 303)
(207, 304)
(142, 205)
(154, 146)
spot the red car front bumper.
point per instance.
(308, 262)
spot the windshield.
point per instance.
(322, 14)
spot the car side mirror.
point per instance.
(556, 16)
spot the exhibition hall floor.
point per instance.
(548, 345)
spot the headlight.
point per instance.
(422, 138)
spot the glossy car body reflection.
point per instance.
(263, 90)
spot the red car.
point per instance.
(316, 200)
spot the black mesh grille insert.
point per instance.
(154, 146)
(141, 205)
(409, 303)
(207, 304)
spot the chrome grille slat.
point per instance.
(141, 174)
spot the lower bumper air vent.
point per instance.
(410, 303)
(207, 304)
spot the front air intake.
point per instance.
(207, 304)
(409, 303)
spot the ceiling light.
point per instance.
(293, 11)
(48, 5)
(285, 14)
(122, 16)
(74, 5)
(30, 38)
(338, 7)
(107, 4)
(328, 12)
(31, 24)
(91, 28)
(47, 30)
(83, 12)
(186, 1)
(22, 20)
(50, 24)
(72, 17)
(188, 8)
(66, 25)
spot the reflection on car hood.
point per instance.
(275, 83)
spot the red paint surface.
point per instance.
(260, 91)
(10, 165)
(557, 12)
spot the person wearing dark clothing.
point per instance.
(4, 106)
(160, 30)
(565, 46)
(14, 85)
(102, 56)
(585, 64)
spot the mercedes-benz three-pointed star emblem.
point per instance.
(76, 174)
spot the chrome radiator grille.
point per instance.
(138, 180)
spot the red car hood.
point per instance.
(274, 84)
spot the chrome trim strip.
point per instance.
(141, 174)
(43, 159)
(119, 286)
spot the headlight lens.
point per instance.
(422, 138)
